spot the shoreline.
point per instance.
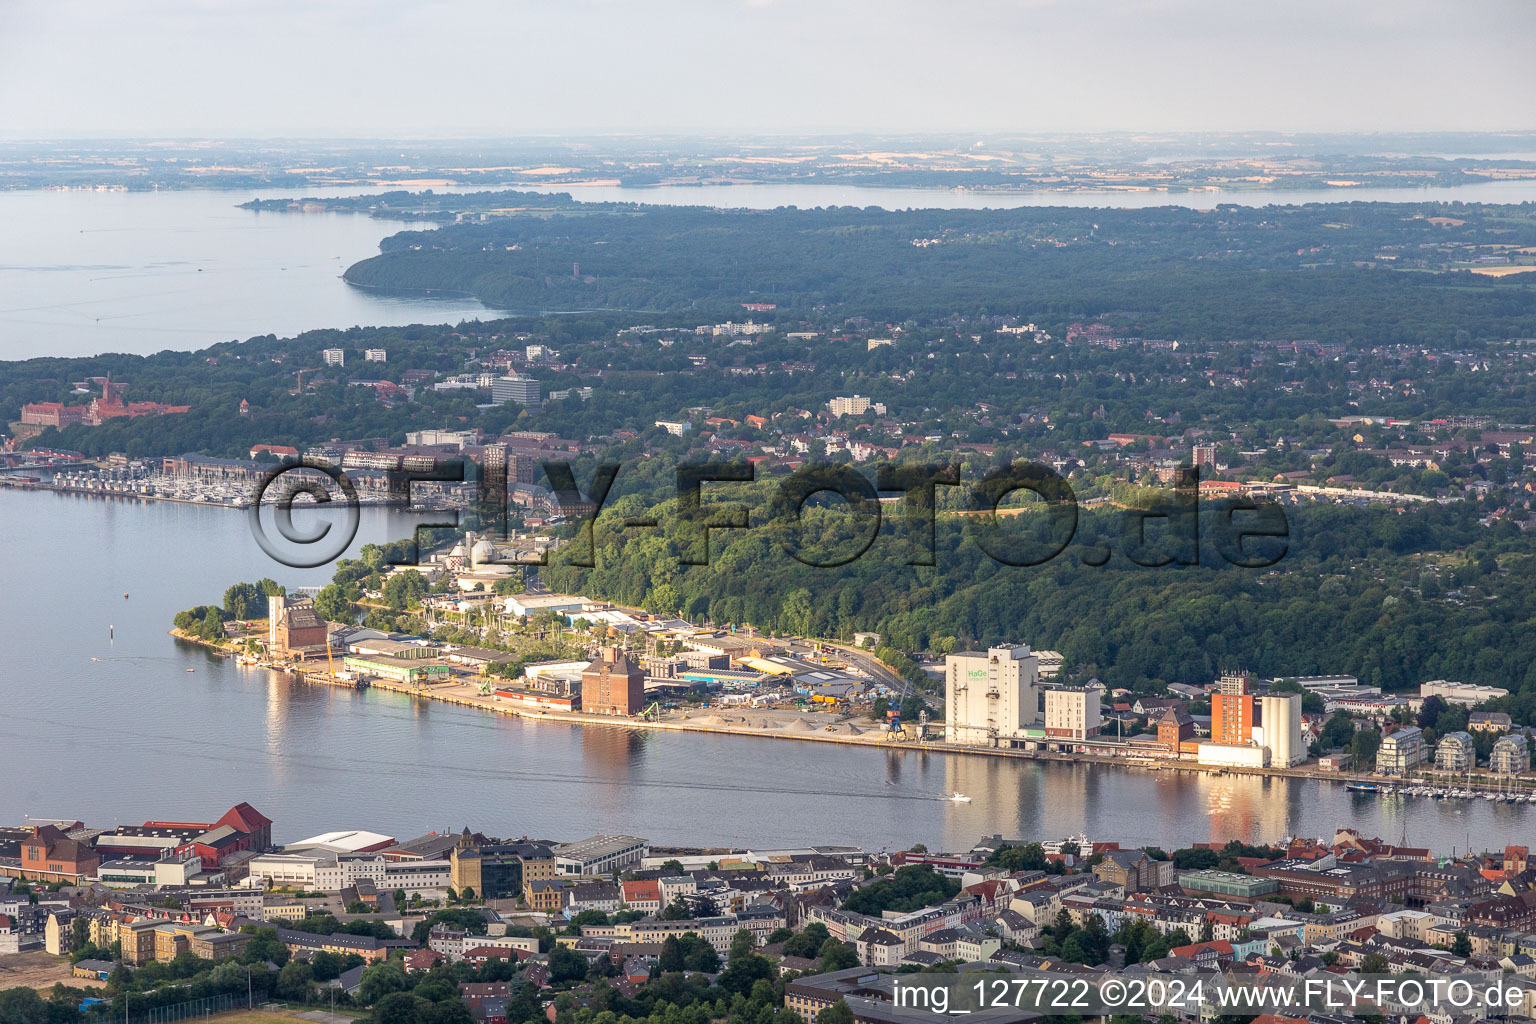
(464, 695)
(364, 501)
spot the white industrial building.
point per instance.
(1466, 694)
(990, 696)
(1232, 755)
(1279, 729)
(599, 855)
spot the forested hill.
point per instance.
(1392, 596)
(1371, 272)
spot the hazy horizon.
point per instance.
(471, 69)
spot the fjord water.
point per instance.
(83, 273)
(119, 730)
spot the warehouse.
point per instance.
(401, 670)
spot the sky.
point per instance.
(454, 68)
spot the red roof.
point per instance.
(490, 953)
(422, 959)
(987, 890)
(1221, 947)
(244, 817)
(641, 889)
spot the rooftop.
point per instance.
(597, 847)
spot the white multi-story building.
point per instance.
(990, 696)
(1455, 752)
(334, 356)
(1279, 728)
(854, 405)
(732, 329)
(1401, 751)
(374, 355)
(1072, 713)
(1511, 755)
(516, 388)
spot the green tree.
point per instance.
(382, 979)
(245, 601)
(836, 956)
(677, 910)
(671, 956)
(1363, 747)
(405, 589)
(264, 946)
(910, 887)
(807, 945)
(1338, 731)
(333, 604)
(397, 1008)
(837, 1013)
(565, 965)
(293, 980)
(742, 945)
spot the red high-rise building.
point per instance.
(612, 685)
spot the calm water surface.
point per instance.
(88, 272)
(134, 735)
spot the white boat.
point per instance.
(958, 797)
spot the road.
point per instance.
(873, 668)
